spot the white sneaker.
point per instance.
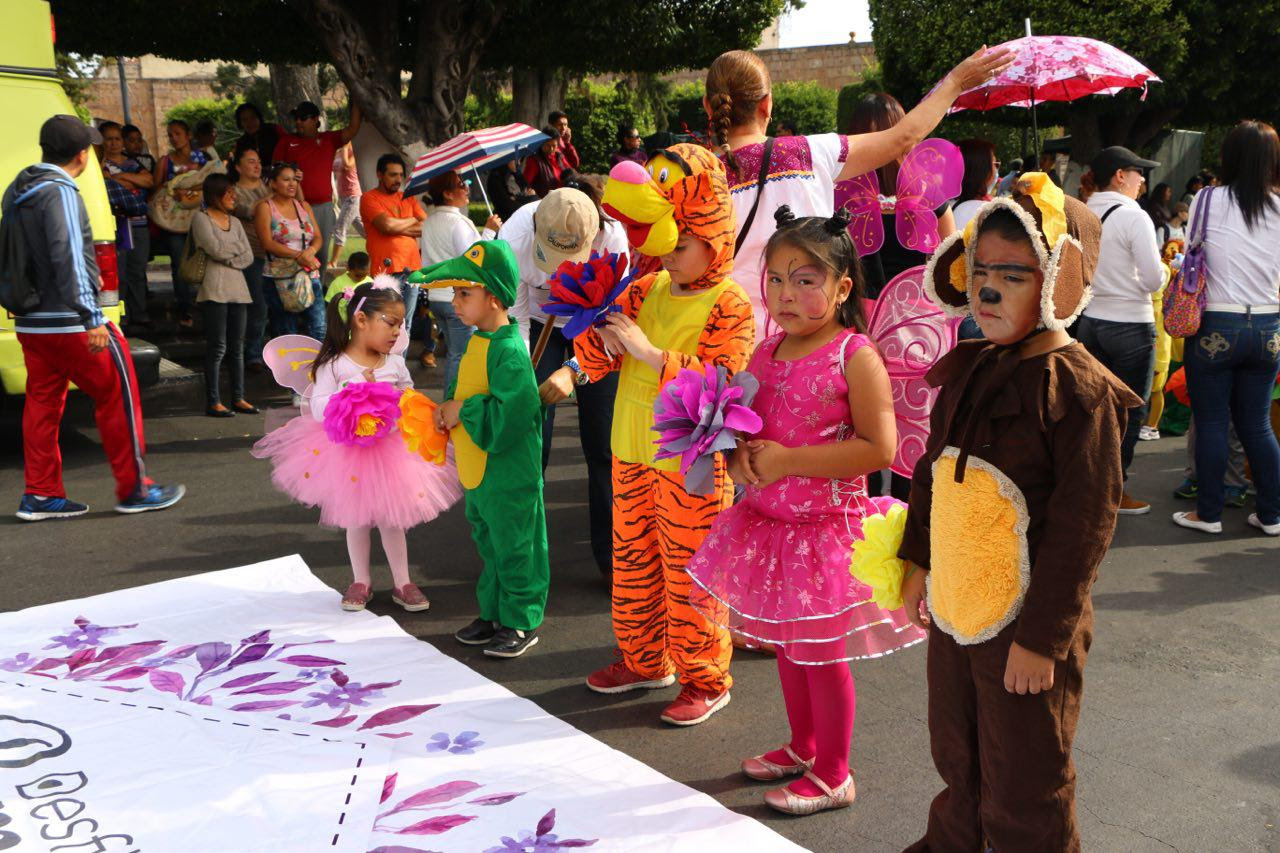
(1269, 529)
(1147, 433)
(1183, 519)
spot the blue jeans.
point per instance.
(595, 428)
(1129, 351)
(256, 324)
(223, 334)
(286, 322)
(456, 335)
(409, 292)
(1231, 369)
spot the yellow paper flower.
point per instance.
(875, 557)
(418, 426)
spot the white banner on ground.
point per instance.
(83, 768)
(472, 768)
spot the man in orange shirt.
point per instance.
(392, 226)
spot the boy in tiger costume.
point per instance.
(688, 315)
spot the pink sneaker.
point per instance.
(693, 706)
(356, 597)
(616, 678)
(410, 598)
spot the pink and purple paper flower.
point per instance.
(698, 415)
(362, 413)
(585, 293)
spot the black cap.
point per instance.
(306, 109)
(1108, 160)
(66, 136)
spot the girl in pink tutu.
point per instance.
(778, 562)
(346, 456)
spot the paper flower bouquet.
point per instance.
(585, 292)
(699, 414)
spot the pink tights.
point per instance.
(393, 545)
(820, 704)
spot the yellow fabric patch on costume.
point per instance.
(1049, 201)
(672, 323)
(979, 567)
(875, 556)
(473, 379)
(959, 274)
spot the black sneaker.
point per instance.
(478, 633)
(510, 643)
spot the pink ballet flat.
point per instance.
(788, 802)
(356, 597)
(763, 770)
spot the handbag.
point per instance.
(194, 262)
(296, 292)
(1185, 296)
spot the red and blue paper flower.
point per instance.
(698, 415)
(362, 413)
(586, 292)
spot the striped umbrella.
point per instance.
(475, 150)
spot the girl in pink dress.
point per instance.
(778, 561)
(363, 478)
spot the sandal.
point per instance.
(356, 597)
(789, 802)
(410, 598)
(763, 770)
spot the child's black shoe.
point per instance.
(478, 633)
(510, 643)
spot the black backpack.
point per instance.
(18, 293)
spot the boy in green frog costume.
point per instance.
(494, 417)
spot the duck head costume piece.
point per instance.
(1064, 234)
(682, 190)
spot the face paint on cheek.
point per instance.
(814, 303)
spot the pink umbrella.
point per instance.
(1056, 68)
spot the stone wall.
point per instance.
(149, 100)
(833, 65)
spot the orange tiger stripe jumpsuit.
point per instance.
(657, 525)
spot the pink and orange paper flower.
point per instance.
(361, 413)
(418, 427)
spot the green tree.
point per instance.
(1216, 58)
(437, 45)
(75, 73)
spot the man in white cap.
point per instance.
(566, 226)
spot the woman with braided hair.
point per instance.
(801, 171)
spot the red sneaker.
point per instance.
(694, 705)
(616, 678)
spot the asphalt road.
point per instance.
(1178, 748)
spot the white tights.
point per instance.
(393, 545)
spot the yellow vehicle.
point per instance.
(29, 94)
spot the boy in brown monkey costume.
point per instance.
(1012, 508)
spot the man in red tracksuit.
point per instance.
(66, 338)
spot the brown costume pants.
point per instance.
(1005, 758)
